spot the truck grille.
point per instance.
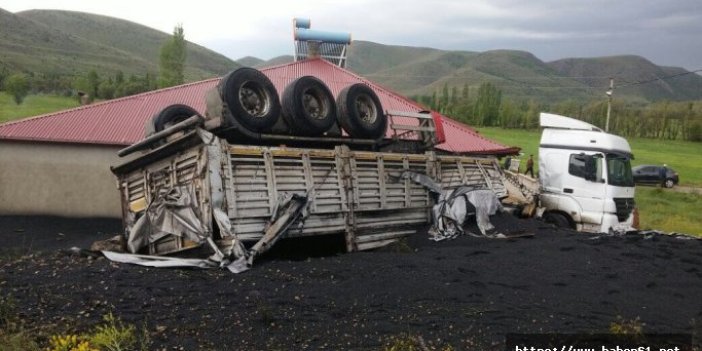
(624, 207)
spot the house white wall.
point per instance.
(71, 180)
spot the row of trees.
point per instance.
(488, 107)
(106, 86)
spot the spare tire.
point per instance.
(360, 112)
(308, 106)
(251, 98)
(171, 115)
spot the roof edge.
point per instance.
(104, 102)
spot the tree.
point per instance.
(465, 92)
(4, 72)
(17, 86)
(695, 132)
(106, 89)
(93, 83)
(172, 59)
(88, 84)
(443, 99)
(487, 105)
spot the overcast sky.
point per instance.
(667, 32)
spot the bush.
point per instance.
(69, 343)
(406, 342)
(111, 335)
(17, 341)
(626, 326)
(695, 132)
(17, 86)
(114, 335)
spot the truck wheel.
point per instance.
(171, 115)
(669, 183)
(360, 112)
(557, 219)
(251, 98)
(308, 106)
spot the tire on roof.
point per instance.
(171, 115)
(308, 106)
(360, 112)
(251, 98)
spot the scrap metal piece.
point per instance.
(486, 204)
(283, 216)
(215, 163)
(454, 206)
(422, 179)
(172, 212)
(157, 261)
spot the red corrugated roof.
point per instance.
(121, 121)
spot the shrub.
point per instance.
(17, 86)
(114, 335)
(70, 342)
(16, 341)
(406, 342)
(626, 326)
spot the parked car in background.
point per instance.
(650, 174)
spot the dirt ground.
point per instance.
(308, 295)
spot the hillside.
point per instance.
(630, 69)
(29, 46)
(366, 57)
(250, 61)
(519, 74)
(257, 62)
(66, 42)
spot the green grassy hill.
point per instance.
(422, 71)
(521, 75)
(65, 42)
(518, 74)
(366, 57)
(278, 60)
(29, 46)
(631, 69)
(250, 61)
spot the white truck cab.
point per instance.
(585, 176)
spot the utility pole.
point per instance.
(609, 102)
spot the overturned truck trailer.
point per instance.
(222, 181)
(227, 194)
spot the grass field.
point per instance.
(33, 105)
(659, 208)
(669, 211)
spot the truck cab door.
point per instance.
(586, 185)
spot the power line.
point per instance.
(658, 78)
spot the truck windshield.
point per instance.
(619, 170)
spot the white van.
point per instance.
(585, 176)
